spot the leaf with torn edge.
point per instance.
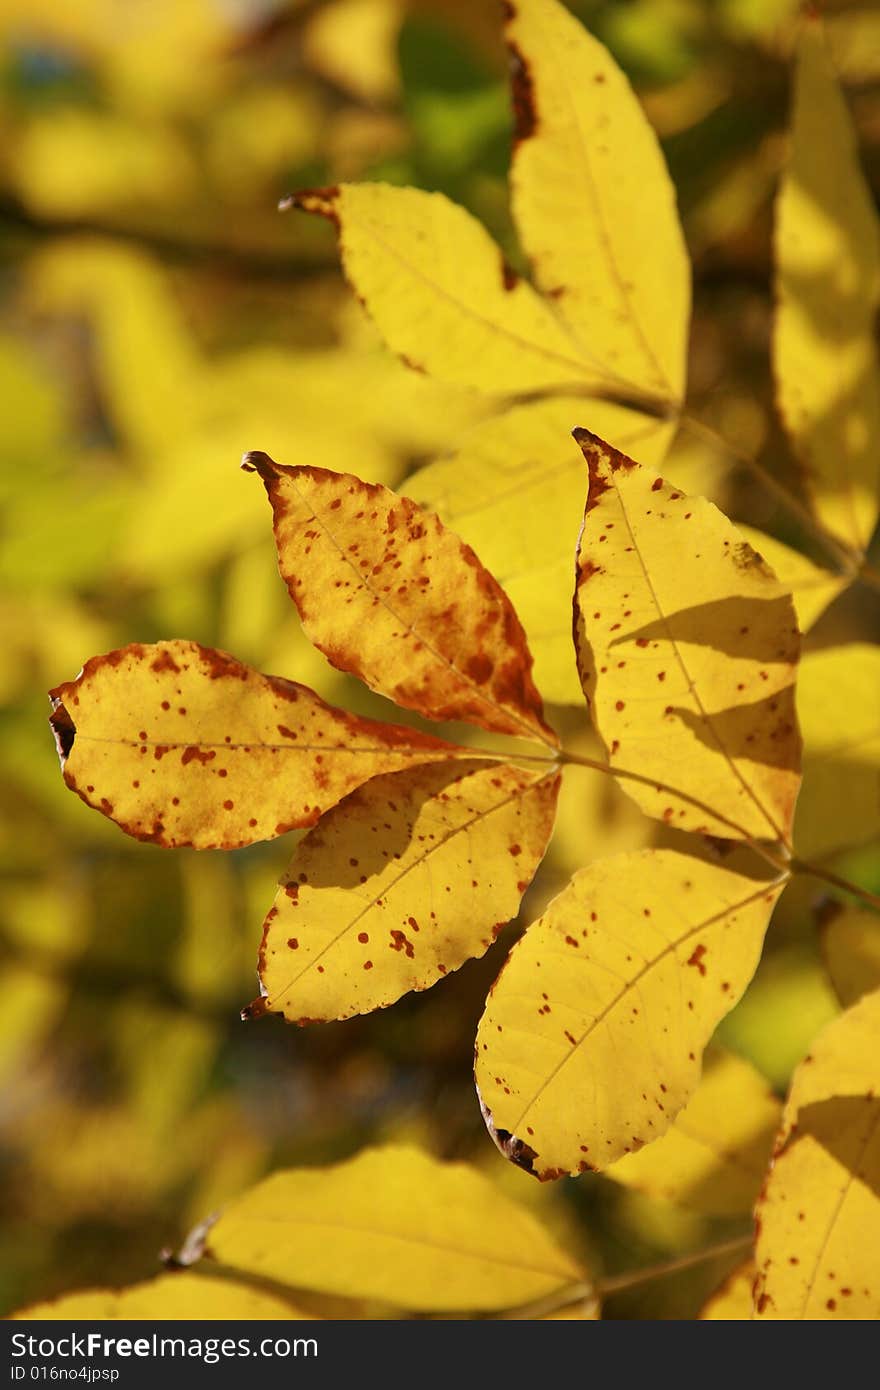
(387, 593)
(687, 650)
(409, 877)
(818, 1220)
(714, 1156)
(514, 490)
(183, 745)
(828, 289)
(588, 178)
(594, 1031)
(396, 1225)
(441, 293)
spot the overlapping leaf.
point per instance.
(396, 1225)
(687, 651)
(588, 177)
(386, 592)
(812, 587)
(839, 803)
(818, 1247)
(441, 293)
(828, 289)
(713, 1158)
(405, 880)
(593, 1034)
(178, 1297)
(732, 1302)
(611, 319)
(183, 745)
(514, 490)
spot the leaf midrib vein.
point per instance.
(519, 793)
(531, 731)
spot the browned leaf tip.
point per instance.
(321, 201)
(602, 460)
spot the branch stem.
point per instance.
(801, 866)
(574, 1294)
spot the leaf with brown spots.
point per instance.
(713, 1158)
(818, 1246)
(812, 588)
(396, 1225)
(387, 593)
(184, 745)
(412, 875)
(687, 649)
(588, 178)
(594, 1031)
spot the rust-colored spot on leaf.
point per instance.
(696, 959)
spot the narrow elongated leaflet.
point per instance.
(588, 177)
(396, 1225)
(387, 593)
(687, 649)
(714, 1156)
(825, 355)
(183, 745)
(514, 490)
(594, 1031)
(818, 1220)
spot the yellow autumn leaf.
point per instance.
(828, 290)
(514, 490)
(714, 1156)
(687, 650)
(184, 745)
(593, 1034)
(387, 593)
(440, 291)
(408, 878)
(588, 178)
(175, 1297)
(839, 804)
(396, 1225)
(851, 949)
(818, 1246)
(354, 44)
(812, 588)
(732, 1302)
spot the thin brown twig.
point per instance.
(587, 1293)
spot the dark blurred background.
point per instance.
(159, 317)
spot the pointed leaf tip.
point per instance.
(415, 616)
